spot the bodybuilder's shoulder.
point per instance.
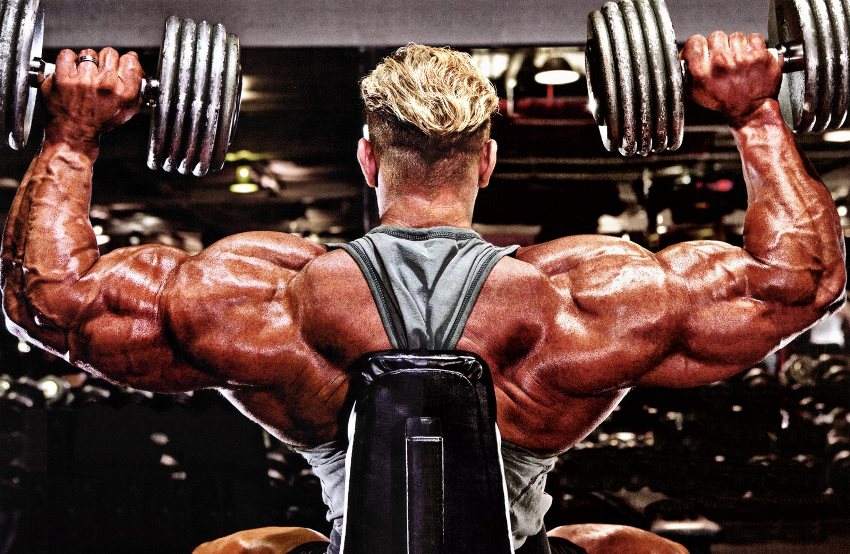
(568, 253)
(285, 250)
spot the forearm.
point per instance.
(48, 243)
(792, 228)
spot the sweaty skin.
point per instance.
(273, 320)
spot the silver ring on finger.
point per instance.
(87, 58)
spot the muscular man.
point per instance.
(566, 327)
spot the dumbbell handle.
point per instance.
(793, 59)
(793, 56)
(41, 70)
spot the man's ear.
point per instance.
(368, 162)
(486, 163)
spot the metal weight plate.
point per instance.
(643, 79)
(602, 80)
(8, 37)
(3, 83)
(30, 38)
(841, 69)
(182, 97)
(657, 69)
(168, 58)
(627, 144)
(199, 98)
(674, 73)
(793, 21)
(826, 52)
(215, 82)
(231, 96)
(845, 80)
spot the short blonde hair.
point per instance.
(438, 92)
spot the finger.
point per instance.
(108, 59)
(695, 53)
(66, 66)
(739, 46)
(738, 41)
(756, 41)
(718, 42)
(86, 68)
(66, 63)
(718, 46)
(758, 47)
(131, 74)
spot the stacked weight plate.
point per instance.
(634, 77)
(198, 104)
(817, 98)
(20, 41)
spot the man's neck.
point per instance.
(418, 212)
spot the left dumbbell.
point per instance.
(195, 97)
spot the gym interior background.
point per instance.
(760, 463)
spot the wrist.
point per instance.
(768, 113)
(64, 131)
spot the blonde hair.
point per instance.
(437, 91)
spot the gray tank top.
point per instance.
(425, 283)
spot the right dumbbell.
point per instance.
(195, 97)
(636, 81)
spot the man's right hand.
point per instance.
(90, 98)
(734, 75)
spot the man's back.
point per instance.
(566, 327)
(304, 387)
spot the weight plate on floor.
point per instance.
(841, 69)
(182, 97)
(826, 51)
(158, 141)
(643, 79)
(793, 21)
(11, 21)
(199, 98)
(657, 69)
(602, 80)
(627, 145)
(28, 47)
(215, 81)
(674, 74)
(231, 96)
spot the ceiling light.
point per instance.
(839, 135)
(556, 71)
(243, 184)
(244, 188)
(243, 173)
(492, 64)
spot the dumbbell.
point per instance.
(195, 97)
(636, 82)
